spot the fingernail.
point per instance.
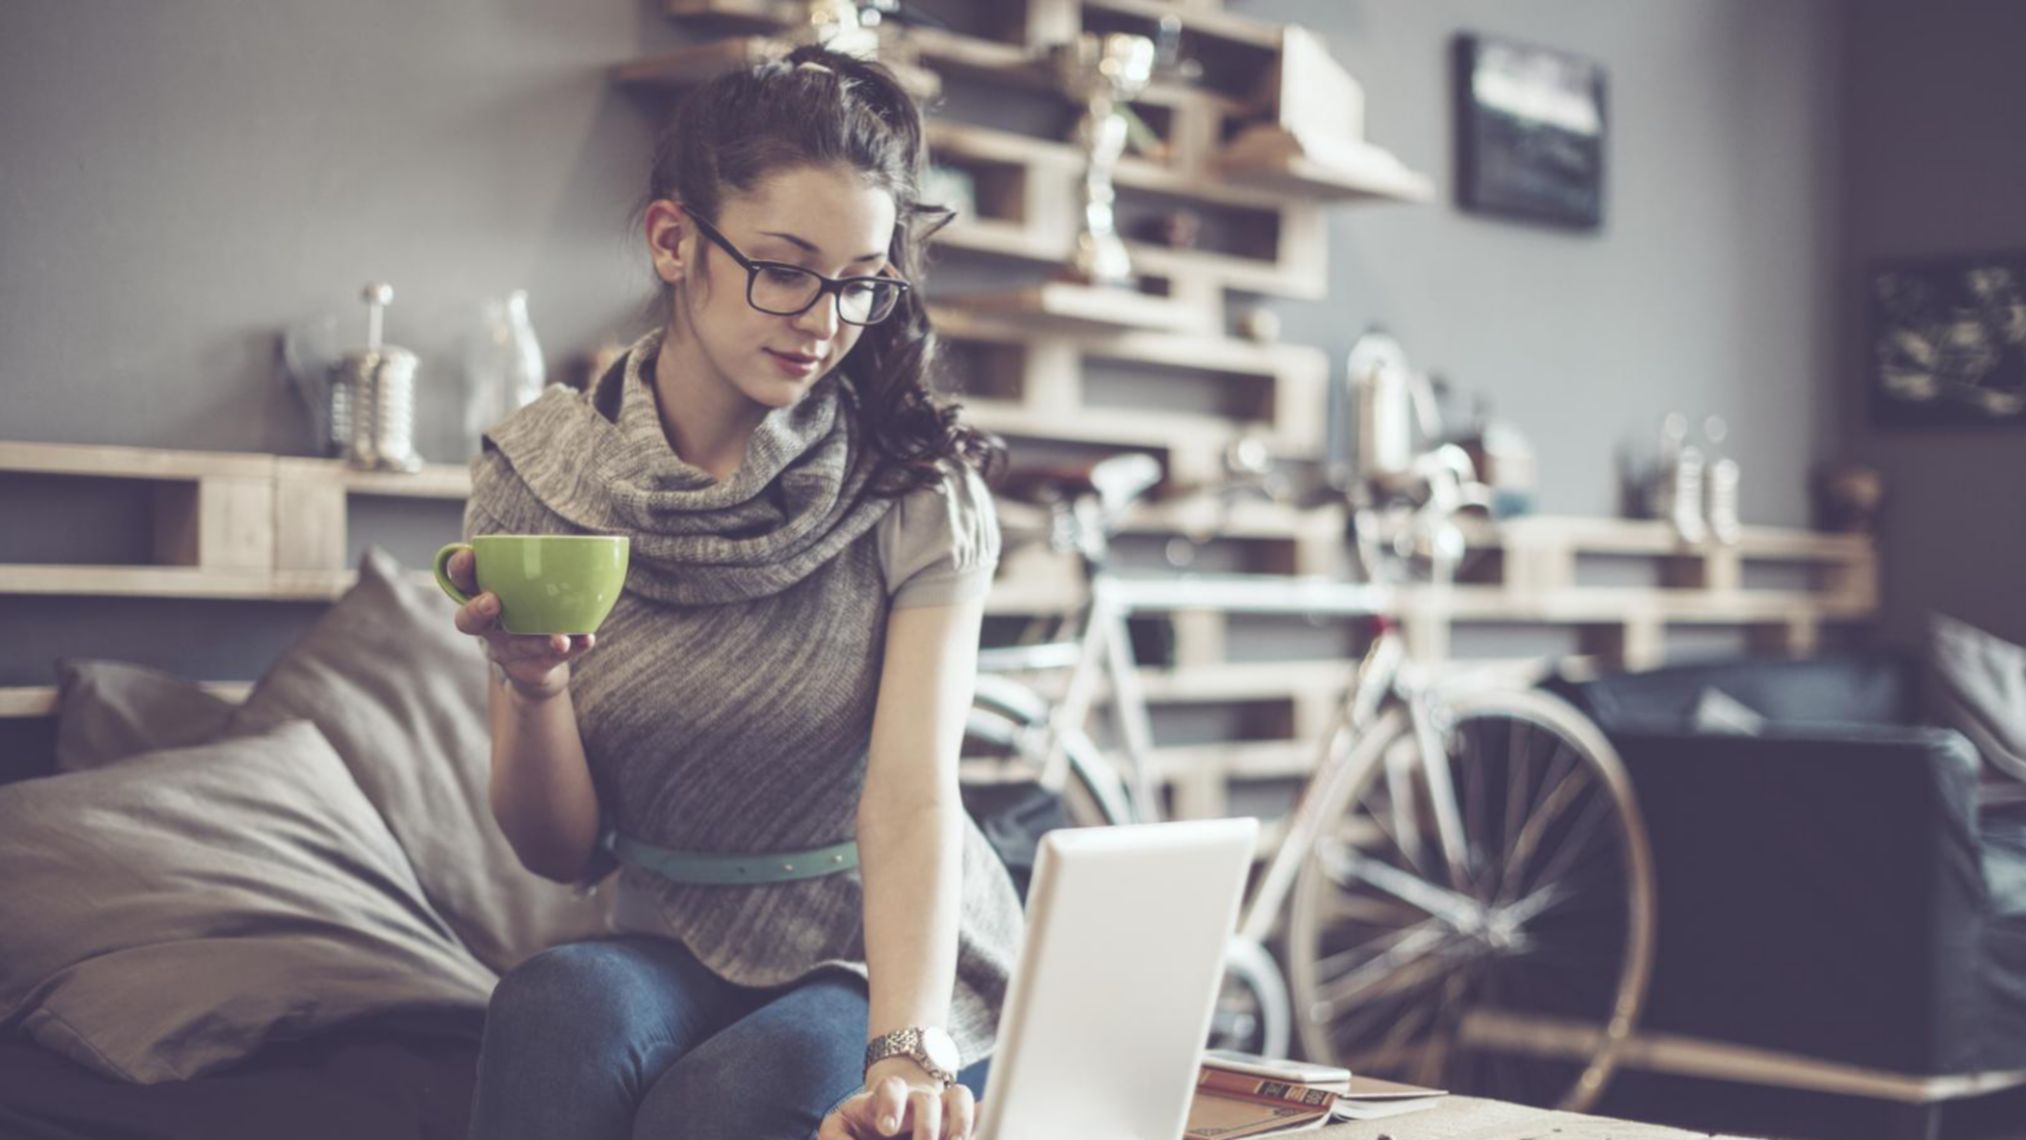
(887, 1124)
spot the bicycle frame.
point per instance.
(1102, 653)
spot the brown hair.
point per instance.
(742, 127)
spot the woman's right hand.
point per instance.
(536, 665)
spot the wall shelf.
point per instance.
(1084, 308)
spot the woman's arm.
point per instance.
(910, 820)
(541, 788)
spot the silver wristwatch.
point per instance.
(927, 1046)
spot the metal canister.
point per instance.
(373, 397)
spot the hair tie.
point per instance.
(812, 65)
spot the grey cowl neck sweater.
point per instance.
(600, 461)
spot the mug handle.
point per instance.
(443, 571)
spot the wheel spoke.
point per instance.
(1566, 785)
(1594, 817)
(1405, 831)
(1346, 903)
(1459, 911)
(1474, 796)
(1387, 973)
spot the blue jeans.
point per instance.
(634, 1039)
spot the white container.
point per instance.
(503, 366)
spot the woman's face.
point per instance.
(828, 219)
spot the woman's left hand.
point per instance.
(894, 1106)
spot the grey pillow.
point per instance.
(1979, 689)
(401, 696)
(110, 710)
(169, 915)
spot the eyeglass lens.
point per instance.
(785, 291)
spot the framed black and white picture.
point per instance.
(1530, 133)
(1948, 341)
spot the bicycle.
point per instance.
(1465, 877)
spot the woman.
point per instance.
(787, 672)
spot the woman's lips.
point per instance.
(794, 363)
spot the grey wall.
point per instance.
(181, 180)
(1935, 165)
(1709, 287)
(178, 181)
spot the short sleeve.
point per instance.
(940, 544)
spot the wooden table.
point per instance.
(1467, 1118)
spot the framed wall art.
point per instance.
(1529, 133)
(1948, 341)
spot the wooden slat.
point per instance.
(1085, 307)
(135, 582)
(433, 481)
(1207, 22)
(690, 66)
(108, 461)
(1252, 275)
(176, 582)
(1591, 605)
(1212, 353)
(1023, 67)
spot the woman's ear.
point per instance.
(667, 226)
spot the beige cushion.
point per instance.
(166, 916)
(1978, 687)
(401, 696)
(110, 710)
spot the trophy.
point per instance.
(1104, 73)
(842, 27)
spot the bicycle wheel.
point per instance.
(1511, 962)
(1092, 794)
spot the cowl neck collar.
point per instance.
(600, 460)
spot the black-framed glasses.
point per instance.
(788, 290)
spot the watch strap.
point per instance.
(907, 1043)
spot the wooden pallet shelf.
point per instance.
(1001, 238)
(1059, 304)
(687, 67)
(177, 582)
(265, 527)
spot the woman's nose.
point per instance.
(819, 319)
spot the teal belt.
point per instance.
(707, 869)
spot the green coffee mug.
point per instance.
(546, 583)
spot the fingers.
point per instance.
(568, 646)
(836, 1126)
(926, 1108)
(463, 571)
(889, 1104)
(477, 615)
(960, 1112)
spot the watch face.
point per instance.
(940, 1049)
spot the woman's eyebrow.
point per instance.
(811, 246)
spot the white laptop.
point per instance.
(1105, 1021)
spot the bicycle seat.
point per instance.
(1116, 481)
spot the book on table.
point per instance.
(1369, 1098)
(1230, 1105)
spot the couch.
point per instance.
(276, 916)
(1842, 887)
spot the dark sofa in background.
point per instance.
(1842, 889)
